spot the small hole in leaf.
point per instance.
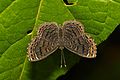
(68, 3)
(29, 31)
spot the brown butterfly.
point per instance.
(71, 36)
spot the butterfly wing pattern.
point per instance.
(45, 43)
(77, 41)
(71, 35)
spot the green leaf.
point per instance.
(100, 17)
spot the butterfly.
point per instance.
(70, 35)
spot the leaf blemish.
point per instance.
(29, 31)
(68, 3)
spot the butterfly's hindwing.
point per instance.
(45, 43)
(77, 41)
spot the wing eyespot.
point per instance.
(32, 57)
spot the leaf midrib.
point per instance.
(37, 15)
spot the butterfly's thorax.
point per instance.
(60, 36)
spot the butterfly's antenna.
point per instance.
(62, 59)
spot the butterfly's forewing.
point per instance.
(45, 43)
(77, 41)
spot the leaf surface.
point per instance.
(18, 17)
(100, 17)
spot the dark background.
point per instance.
(106, 66)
